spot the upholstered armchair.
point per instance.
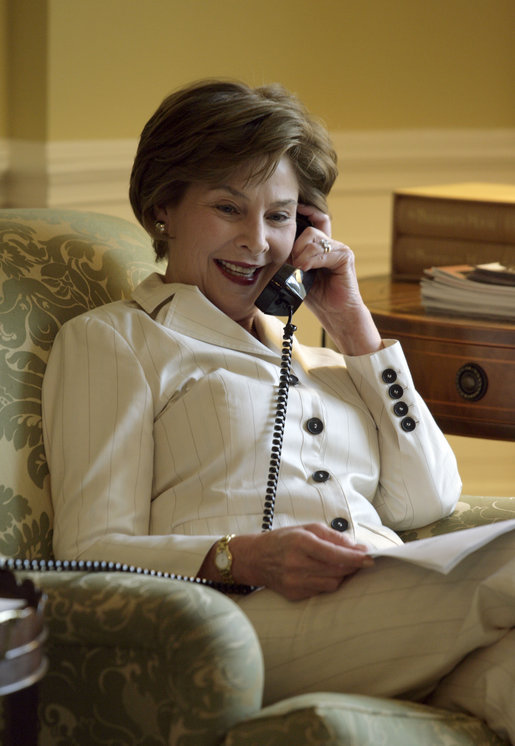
(135, 658)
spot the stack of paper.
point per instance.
(470, 291)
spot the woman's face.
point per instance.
(229, 239)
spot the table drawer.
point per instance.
(470, 389)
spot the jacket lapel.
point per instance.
(186, 310)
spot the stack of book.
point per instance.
(486, 291)
(471, 223)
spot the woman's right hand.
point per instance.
(297, 561)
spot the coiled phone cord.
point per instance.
(42, 565)
(279, 423)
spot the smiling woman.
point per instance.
(159, 419)
(230, 240)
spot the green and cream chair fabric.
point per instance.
(134, 658)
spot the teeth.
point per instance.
(238, 269)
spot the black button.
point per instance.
(389, 375)
(293, 380)
(408, 424)
(321, 476)
(314, 426)
(400, 408)
(340, 524)
(395, 391)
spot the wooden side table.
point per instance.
(464, 368)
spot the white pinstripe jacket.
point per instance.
(158, 416)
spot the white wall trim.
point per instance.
(378, 160)
(90, 172)
(80, 171)
(93, 175)
(88, 175)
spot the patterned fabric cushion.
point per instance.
(132, 659)
(472, 510)
(347, 720)
(54, 264)
(143, 660)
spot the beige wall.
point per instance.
(94, 69)
(27, 84)
(3, 68)
(487, 467)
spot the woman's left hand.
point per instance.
(335, 298)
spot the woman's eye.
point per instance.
(279, 217)
(227, 209)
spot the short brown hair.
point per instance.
(204, 132)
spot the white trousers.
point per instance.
(400, 630)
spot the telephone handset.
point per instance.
(281, 297)
(289, 286)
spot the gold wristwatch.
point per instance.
(223, 558)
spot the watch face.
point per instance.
(222, 561)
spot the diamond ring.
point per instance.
(326, 245)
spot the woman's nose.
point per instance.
(253, 237)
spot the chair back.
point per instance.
(54, 264)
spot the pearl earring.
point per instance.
(160, 227)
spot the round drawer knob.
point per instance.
(471, 381)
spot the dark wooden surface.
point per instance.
(438, 347)
(21, 717)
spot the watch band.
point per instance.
(223, 558)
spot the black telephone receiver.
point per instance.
(289, 286)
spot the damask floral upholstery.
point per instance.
(134, 658)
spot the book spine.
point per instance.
(412, 254)
(453, 218)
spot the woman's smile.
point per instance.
(241, 274)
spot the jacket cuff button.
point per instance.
(408, 424)
(400, 408)
(395, 391)
(389, 375)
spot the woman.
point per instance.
(159, 415)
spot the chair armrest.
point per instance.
(471, 510)
(136, 659)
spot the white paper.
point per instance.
(442, 553)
